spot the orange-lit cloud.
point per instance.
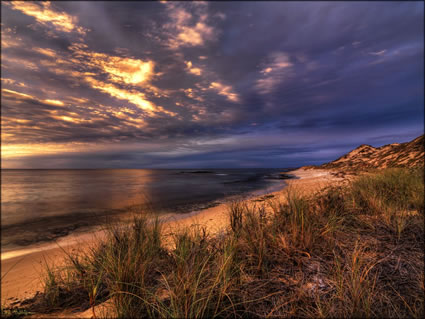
(180, 16)
(18, 63)
(225, 90)
(6, 91)
(189, 29)
(78, 100)
(119, 70)
(31, 97)
(193, 94)
(47, 52)
(194, 36)
(188, 92)
(75, 118)
(21, 121)
(127, 70)
(8, 43)
(65, 118)
(54, 102)
(9, 38)
(13, 82)
(193, 70)
(136, 98)
(131, 121)
(45, 14)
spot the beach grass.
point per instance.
(352, 251)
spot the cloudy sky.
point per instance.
(206, 84)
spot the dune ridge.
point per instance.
(409, 154)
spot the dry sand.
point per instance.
(22, 274)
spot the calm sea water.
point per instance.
(41, 205)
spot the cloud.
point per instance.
(194, 36)
(127, 70)
(121, 70)
(13, 82)
(204, 85)
(9, 38)
(273, 72)
(18, 63)
(193, 70)
(54, 102)
(46, 52)
(225, 90)
(188, 29)
(46, 15)
(11, 93)
(133, 97)
(60, 119)
(378, 53)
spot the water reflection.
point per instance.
(41, 193)
(41, 205)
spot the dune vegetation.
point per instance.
(347, 251)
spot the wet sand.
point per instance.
(22, 273)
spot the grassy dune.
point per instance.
(352, 251)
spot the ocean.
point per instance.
(42, 205)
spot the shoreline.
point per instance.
(74, 236)
(24, 271)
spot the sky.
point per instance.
(206, 84)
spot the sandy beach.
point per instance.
(22, 273)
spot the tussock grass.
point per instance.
(391, 196)
(355, 251)
(390, 189)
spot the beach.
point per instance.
(22, 274)
(42, 206)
